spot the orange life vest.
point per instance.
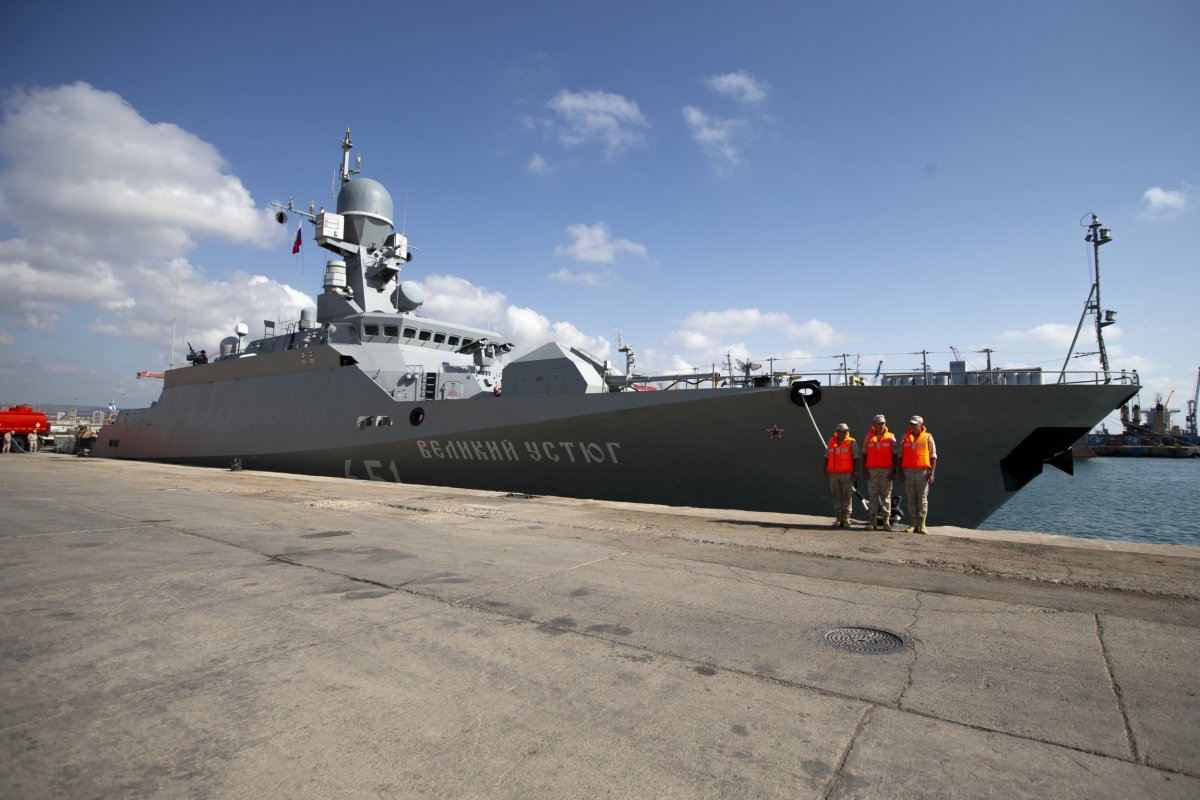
(880, 451)
(916, 451)
(838, 457)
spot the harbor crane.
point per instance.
(1191, 407)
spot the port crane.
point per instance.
(1191, 406)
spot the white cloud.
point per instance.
(706, 328)
(740, 86)
(107, 205)
(586, 278)
(719, 138)
(457, 300)
(538, 165)
(1050, 334)
(1160, 202)
(6, 337)
(706, 337)
(613, 121)
(594, 244)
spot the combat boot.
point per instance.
(921, 525)
(837, 523)
(911, 528)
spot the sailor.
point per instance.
(32, 440)
(880, 458)
(841, 465)
(7, 442)
(918, 461)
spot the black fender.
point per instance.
(806, 393)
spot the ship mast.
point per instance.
(1096, 236)
(347, 146)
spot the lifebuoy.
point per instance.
(806, 393)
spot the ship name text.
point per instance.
(504, 450)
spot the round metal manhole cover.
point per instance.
(863, 640)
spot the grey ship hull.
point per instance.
(752, 449)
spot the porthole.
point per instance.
(417, 416)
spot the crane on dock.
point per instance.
(1191, 406)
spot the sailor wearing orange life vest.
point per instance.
(841, 465)
(918, 461)
(881, 452)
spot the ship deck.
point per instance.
(176, 631)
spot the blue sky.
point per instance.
(788, 180)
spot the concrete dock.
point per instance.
(180, 632)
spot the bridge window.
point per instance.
(410, 333)
(424, 336)
(391, 330)
(370, 330)
(452, 341)
(439, 338)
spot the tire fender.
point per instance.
(806, 393)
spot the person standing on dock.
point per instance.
(32, 440)
(918, 461)
(841, 465)
(881, 454)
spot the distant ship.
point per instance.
(364, 386)
(1149, 433)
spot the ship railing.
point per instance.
(994, 377)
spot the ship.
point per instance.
(1149, 433)
(365, 386)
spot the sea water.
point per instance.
(1154, 500)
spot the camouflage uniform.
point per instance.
(879, 479)
(917, 480)
(841, 484)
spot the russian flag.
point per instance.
(296, 244)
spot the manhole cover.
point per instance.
(863, 640)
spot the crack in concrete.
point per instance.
(462, 603)
(1113, 685)
(912, 645)
(74, 533)
(835, 776)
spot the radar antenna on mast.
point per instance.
(1096, 236)
(630, 357)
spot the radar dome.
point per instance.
(408, 296)
(365, 197)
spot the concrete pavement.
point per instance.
(171, 631)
